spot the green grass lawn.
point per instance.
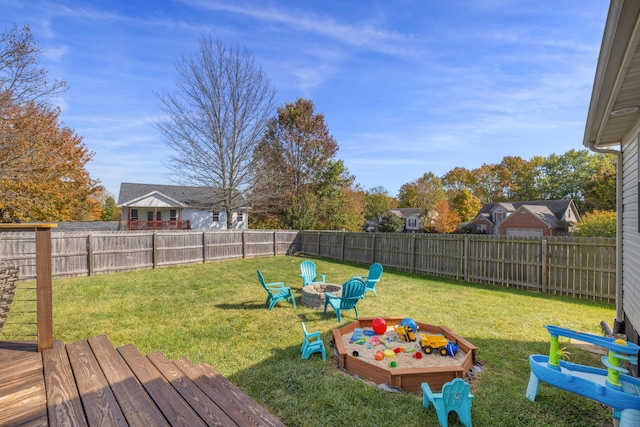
(215, 313)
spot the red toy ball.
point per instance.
(379, 325)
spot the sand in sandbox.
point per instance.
(391, 340)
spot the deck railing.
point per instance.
(43, 279)
(158, 225)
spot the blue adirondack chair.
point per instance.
(308, 273)
(370, 281)
(312, 343)
(456, 396)
(352, 292)
(277, 292)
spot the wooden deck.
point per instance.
(91, 383)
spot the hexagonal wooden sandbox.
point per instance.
(405, 378)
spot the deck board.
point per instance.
(176, 410)
(91, 383)
(196, 398)
(63, 399)
(137, 406)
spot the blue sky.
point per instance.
(406, 86)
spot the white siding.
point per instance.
(412, 219)
(203, 220)
(630, 233)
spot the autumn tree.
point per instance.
(520, 178)
(42, 162)
(465, 204)
(51, 182)
(459, 178)
(443, 218)
(215, 118)
(299, 180)
(422, 193)
(378, 201)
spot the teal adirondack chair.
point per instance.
(312, 343)
(352, 292)
(370, 281)
(456, 396)
(308, 273)
(277, 292)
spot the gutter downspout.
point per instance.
(619, 323)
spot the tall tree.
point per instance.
(42, 162)
(22, 86)
(378, 201)
(216, 116)
(465, 204)
(522, 177)
(423, 193)
(22, 81)
(459, 178)
(600, 188)
(295, 164)
(50, 183)
(564, 175)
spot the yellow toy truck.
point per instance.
(429, 343)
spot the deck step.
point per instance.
(91, 383)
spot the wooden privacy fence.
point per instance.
(571, 266)
(91, 253)
(578, 267)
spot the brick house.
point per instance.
(535, 218)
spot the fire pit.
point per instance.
(313, 295)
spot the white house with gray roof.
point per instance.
(174, 207)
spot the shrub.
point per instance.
(597, 224)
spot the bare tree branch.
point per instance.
(215, 117)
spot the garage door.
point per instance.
(524, 232)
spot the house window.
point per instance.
(482, 228)
(499, 216)
(158, 216)
(134, 215)
(149, 215)
(240, 217)
(216, 216)
(412, 222)
(173, 215)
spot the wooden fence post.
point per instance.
(318, 248)
(373, 248)
(545, 263)
(412, 253)
(243, 241)
(465, 259)
(204, 247)
(342, 249)
(89, 255)
(43, 285)
(154, 249)
(275, 243)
